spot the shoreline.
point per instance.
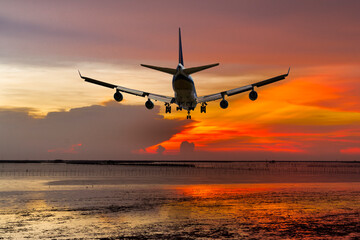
(164, 162)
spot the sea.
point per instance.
(179, 200)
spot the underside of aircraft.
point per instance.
(185, 96)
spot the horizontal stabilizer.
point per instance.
(161, 69)
(198, 69)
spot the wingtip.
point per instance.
(288, 71)
(80, 74)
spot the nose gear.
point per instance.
(188, 116)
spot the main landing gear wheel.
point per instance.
(167, 108)
(203, 108)
(178, 108)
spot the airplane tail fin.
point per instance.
(169, 70)
(181, 59)
(193, 69)
(188, 71)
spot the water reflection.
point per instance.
(168, 207)
(278, 210)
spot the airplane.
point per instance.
(185, 96)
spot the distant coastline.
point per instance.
(180, 163)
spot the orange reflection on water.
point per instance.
(279, 210)
(208, 191)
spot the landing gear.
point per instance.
(178, 108)
(167, 108)
(203, 108)
(188, 116)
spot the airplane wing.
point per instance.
(152, 96)
(220, 95)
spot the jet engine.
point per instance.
(118, 96)
(253, 95)
(149, 104)
(224, 104)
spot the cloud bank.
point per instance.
(113, 131)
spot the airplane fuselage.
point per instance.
(184, 89)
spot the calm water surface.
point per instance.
(198, 201)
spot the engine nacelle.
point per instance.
(149, 104)
(224, 104)
(253, 95)
(118, 96)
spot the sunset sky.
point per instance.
(48, 112)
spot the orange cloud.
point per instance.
(304, 115)
(354, 150)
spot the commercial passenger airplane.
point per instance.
(184, 88)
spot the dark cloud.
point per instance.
(114, 131)
(187, 148)
(160, 150)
